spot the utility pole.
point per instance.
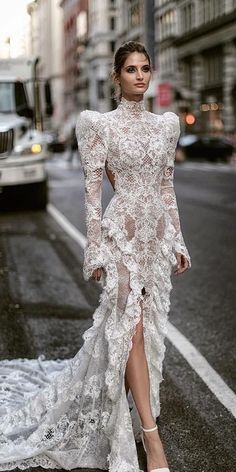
(37, 104)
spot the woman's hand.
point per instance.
(97, 273)
(182, 263)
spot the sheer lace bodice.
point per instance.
(139, 148)
(76, 414)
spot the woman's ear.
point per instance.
(116, 79)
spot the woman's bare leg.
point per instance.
(126, 385)
(137, 379)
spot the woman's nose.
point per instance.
(139, 74)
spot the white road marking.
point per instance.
(195, 359)
(212, 379)
(65, 224)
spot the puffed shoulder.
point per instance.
(92, 137)
(172, 123)
(171, 118)
(89, 120)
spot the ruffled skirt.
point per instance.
(75, 413)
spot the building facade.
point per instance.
(70, 9)
(136, 23)
(192, 44)
(81, 82)
(102, 34)
(93, 30)
(196, 56)
(46, 42)
(110, 23)
(90, 30)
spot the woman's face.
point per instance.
(134, 76)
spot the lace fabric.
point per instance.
(76, 414)
(139, 148)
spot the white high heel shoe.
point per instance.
(160, 469)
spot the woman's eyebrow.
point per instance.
(133, 65)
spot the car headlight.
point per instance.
(35, 148)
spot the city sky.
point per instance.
(14, 25)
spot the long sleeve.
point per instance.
(172, 129)
(92, 143)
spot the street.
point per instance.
(46, 305)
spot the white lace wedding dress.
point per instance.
(76, 414)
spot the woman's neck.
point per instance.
(133, 98)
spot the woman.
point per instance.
(82, 418)
(139, 238)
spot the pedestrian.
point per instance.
(83, 419)
(72, 145)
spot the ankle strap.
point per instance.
(149, 430)
(162, 469)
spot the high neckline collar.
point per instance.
(132, 106)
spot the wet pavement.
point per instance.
(45, 305)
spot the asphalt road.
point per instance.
(45, 305)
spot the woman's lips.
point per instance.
(140, 85)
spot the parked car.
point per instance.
(210, 148)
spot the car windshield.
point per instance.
(12, 97)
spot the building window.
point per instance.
(211, 9)
(166, 61)
(188, 17)
(101, 89)
(167, 24)
(81, 25)
(112, 46)
(135, 13)
(112, 23)
(213, 66)
(188, 72)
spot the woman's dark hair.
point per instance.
(120, 57)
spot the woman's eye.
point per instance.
(144, 69)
